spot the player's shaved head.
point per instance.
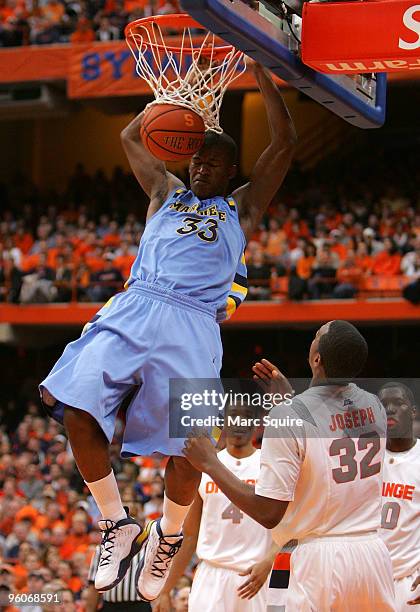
(222, 142)
(342, 349)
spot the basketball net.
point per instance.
(194, 74)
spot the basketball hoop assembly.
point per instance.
(271, 32)
(194, 71)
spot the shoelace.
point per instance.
(164, 557)
(109, 534)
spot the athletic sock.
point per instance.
(107, 496)
(173, 516)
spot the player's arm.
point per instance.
(150, 172)
(416, 600)
(203, 456)
(180, 563)
(271, 168)
(258, 574)
(93, 598)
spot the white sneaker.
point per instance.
(157, 558)
(121, 541)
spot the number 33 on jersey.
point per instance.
(195, 247)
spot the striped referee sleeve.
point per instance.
(94, 564)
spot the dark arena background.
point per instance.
(340, 240)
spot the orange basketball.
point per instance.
(171, 132)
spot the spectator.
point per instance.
(35, 585)
(336, 244)
(259, 275)
(297, 288)
(31, 485)
(82, 34)
(42, 31)
(106, 31)
(410, 261)
(78, 538)
(298, 252)
(349, 275)
(323, 279)
(374, 245)
(273, 240)
(180, 599)
(388, 261)
(7, 585)
(10, 281)
(53, 12)
(124, 260)
(65, 573)
(363, 258)
(66, 598)
(38, 283)
(82, 281)
(107, 282)
(305, 264)
(63, 277)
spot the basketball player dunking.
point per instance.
(320, 481)
(401, 494)
(229, 543)
(188, 276)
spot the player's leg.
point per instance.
(181, 483)
(190, 350)
(120, 532)
(83, 391)
(215, 589)
(341, 574)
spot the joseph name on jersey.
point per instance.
(228, 537)
(331, 475)
(195, 247)
(400, 525)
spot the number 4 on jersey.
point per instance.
(232, 513)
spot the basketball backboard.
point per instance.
(272, 36)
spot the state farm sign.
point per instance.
(353, 37)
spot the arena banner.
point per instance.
(99, 70)
(357, 37)
(95, 69)
(37, 64)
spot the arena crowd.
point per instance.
(48, 520)
(80, 245)
(44, 22)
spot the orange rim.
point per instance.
(177, 21)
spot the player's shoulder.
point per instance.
(178, 191)
(222, 454)
(409, 459)
(413, 455)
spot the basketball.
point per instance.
(171, 132)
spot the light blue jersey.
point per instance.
(189, 275)
(195, 247)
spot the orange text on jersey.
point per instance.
(211, 487)
(400, 491)
(353, 419)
